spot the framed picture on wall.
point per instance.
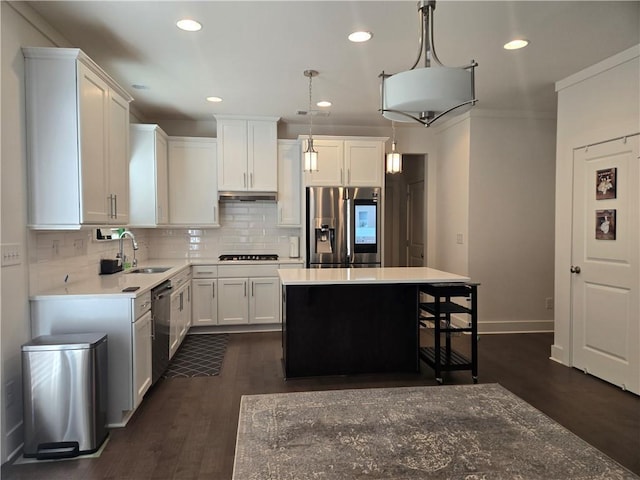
(606, 184)
(606, 224)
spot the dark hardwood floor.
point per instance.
(186, 428)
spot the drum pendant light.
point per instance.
(426, 94)
(310, 155)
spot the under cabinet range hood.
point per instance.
(248, 196)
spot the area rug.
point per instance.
(199, 356)
(445, 432)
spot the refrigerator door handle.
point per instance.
(348, 228)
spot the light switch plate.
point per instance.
(11, 254)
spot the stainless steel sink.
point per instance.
(150, 270)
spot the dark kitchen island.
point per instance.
(343, 321)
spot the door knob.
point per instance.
(575, 269)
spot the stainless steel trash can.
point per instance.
(64, 379)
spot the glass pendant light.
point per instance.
(394, 159)
(310, 154)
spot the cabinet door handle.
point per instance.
(349, 175)
(215, 214)
(340, 175)
(244, 180)
(153, 328)
(245, 288)
(213, 290)
(251, 180)
(115, 206)
(252, 287)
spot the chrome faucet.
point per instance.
(120, 255)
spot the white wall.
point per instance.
(14, 317)
(511, 219)
(599, 103)
(452, 196)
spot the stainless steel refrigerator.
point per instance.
(344, 227)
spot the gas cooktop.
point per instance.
(258, 257)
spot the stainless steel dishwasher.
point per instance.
(161, 311)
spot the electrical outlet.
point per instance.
(11, 254)
(78, 245)
(548, 303)
(459, 239)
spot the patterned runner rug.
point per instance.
(446, 432)
(198, 356)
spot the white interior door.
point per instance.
(605, 279)
(415, 213)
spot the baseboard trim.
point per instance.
(276, 327)
(557, 354)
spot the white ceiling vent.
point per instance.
(315, 113)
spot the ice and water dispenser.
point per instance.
(325, 236)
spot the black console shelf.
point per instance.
(436, 315)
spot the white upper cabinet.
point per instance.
(148, 176)
(289, 188)
(330, 163)
(364, 163)
(247, 153)
(347, 161)
(193, 192)
(78, 141)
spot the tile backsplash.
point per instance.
(246, 227)
(71, 256)
(59, 257)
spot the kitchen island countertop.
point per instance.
(383, 275)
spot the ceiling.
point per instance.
(253, 53)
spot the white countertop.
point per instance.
(333, 276)
(112, 285)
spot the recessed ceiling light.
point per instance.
(188, 25)
(516, 44)
(214, 99)
(324, 103)
(361, 36)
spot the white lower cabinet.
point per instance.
(127, 323)
(205, 302)
(248, 300)
(186, 311)
(264, 300)
(174, 320)
(180, 317)
(248, 294)
(233, 304)
(142, 329)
